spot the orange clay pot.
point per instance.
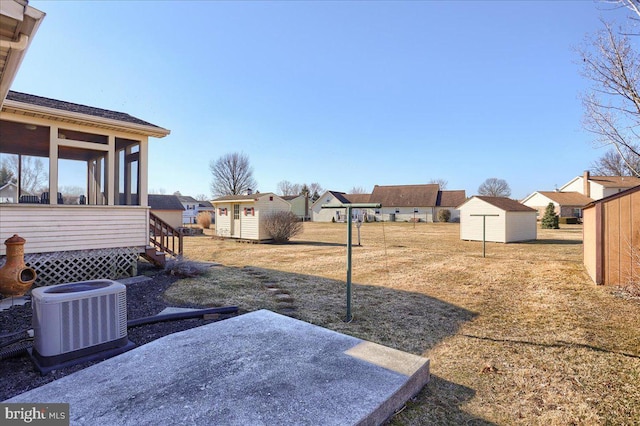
(15, 277)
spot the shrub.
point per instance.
(185, 268)
(282, 226)
(550, 218)
(569, 220)
(444, 215)
(204, 220)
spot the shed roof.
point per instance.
(504, 203)
(245, 197)
(164, 202)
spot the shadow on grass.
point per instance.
(408, 321)
(558, 344)
(438, 403)
(315, 243)
(552, 241)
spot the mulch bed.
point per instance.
(18, 374)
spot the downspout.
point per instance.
(20, 44)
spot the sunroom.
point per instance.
(80, 177)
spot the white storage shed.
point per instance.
(242, 216)
(506, 220)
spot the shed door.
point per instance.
(235, 223)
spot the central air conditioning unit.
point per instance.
(78, 322)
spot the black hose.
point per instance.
(181, 315)
(21, 336)
(10, 353)
(14, 333)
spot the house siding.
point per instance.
(61, 228)
(172, 217)
(318, 214)
(540, 203)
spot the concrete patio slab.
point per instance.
(260, 368)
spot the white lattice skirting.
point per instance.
(73, 266)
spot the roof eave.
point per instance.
(30, 22)
(57, 114)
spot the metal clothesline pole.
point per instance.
(484, 223)
(349, 207)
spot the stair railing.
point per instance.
(164, 237)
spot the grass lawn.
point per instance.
(520, 337)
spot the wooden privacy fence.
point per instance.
(612, 238)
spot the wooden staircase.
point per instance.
(164, 240)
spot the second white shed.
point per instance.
(506, 220)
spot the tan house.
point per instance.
(566, 204)
(611, 238)
(242, 216)
(168, 208)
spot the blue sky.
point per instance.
(345, 94)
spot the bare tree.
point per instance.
(494, 187)
(358, 190)
(287, 188)
(612, 164)
(315, 190)
(441, 182)
(201, 197)
(71, 193)
(33, 176)
(612, 105)
(232, 175)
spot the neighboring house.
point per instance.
(514, 221)
(420, 203)
(193, 207)
(168, 208)
(242, 216)
(336, 214)
(611, 238)
(566, 204)
(299, 205)
(402, 203)
(9, 192)
(597, 187)
(103, 237)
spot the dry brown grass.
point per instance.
(519, 337)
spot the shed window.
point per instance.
(236, 211)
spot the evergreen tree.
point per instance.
(550, 218)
